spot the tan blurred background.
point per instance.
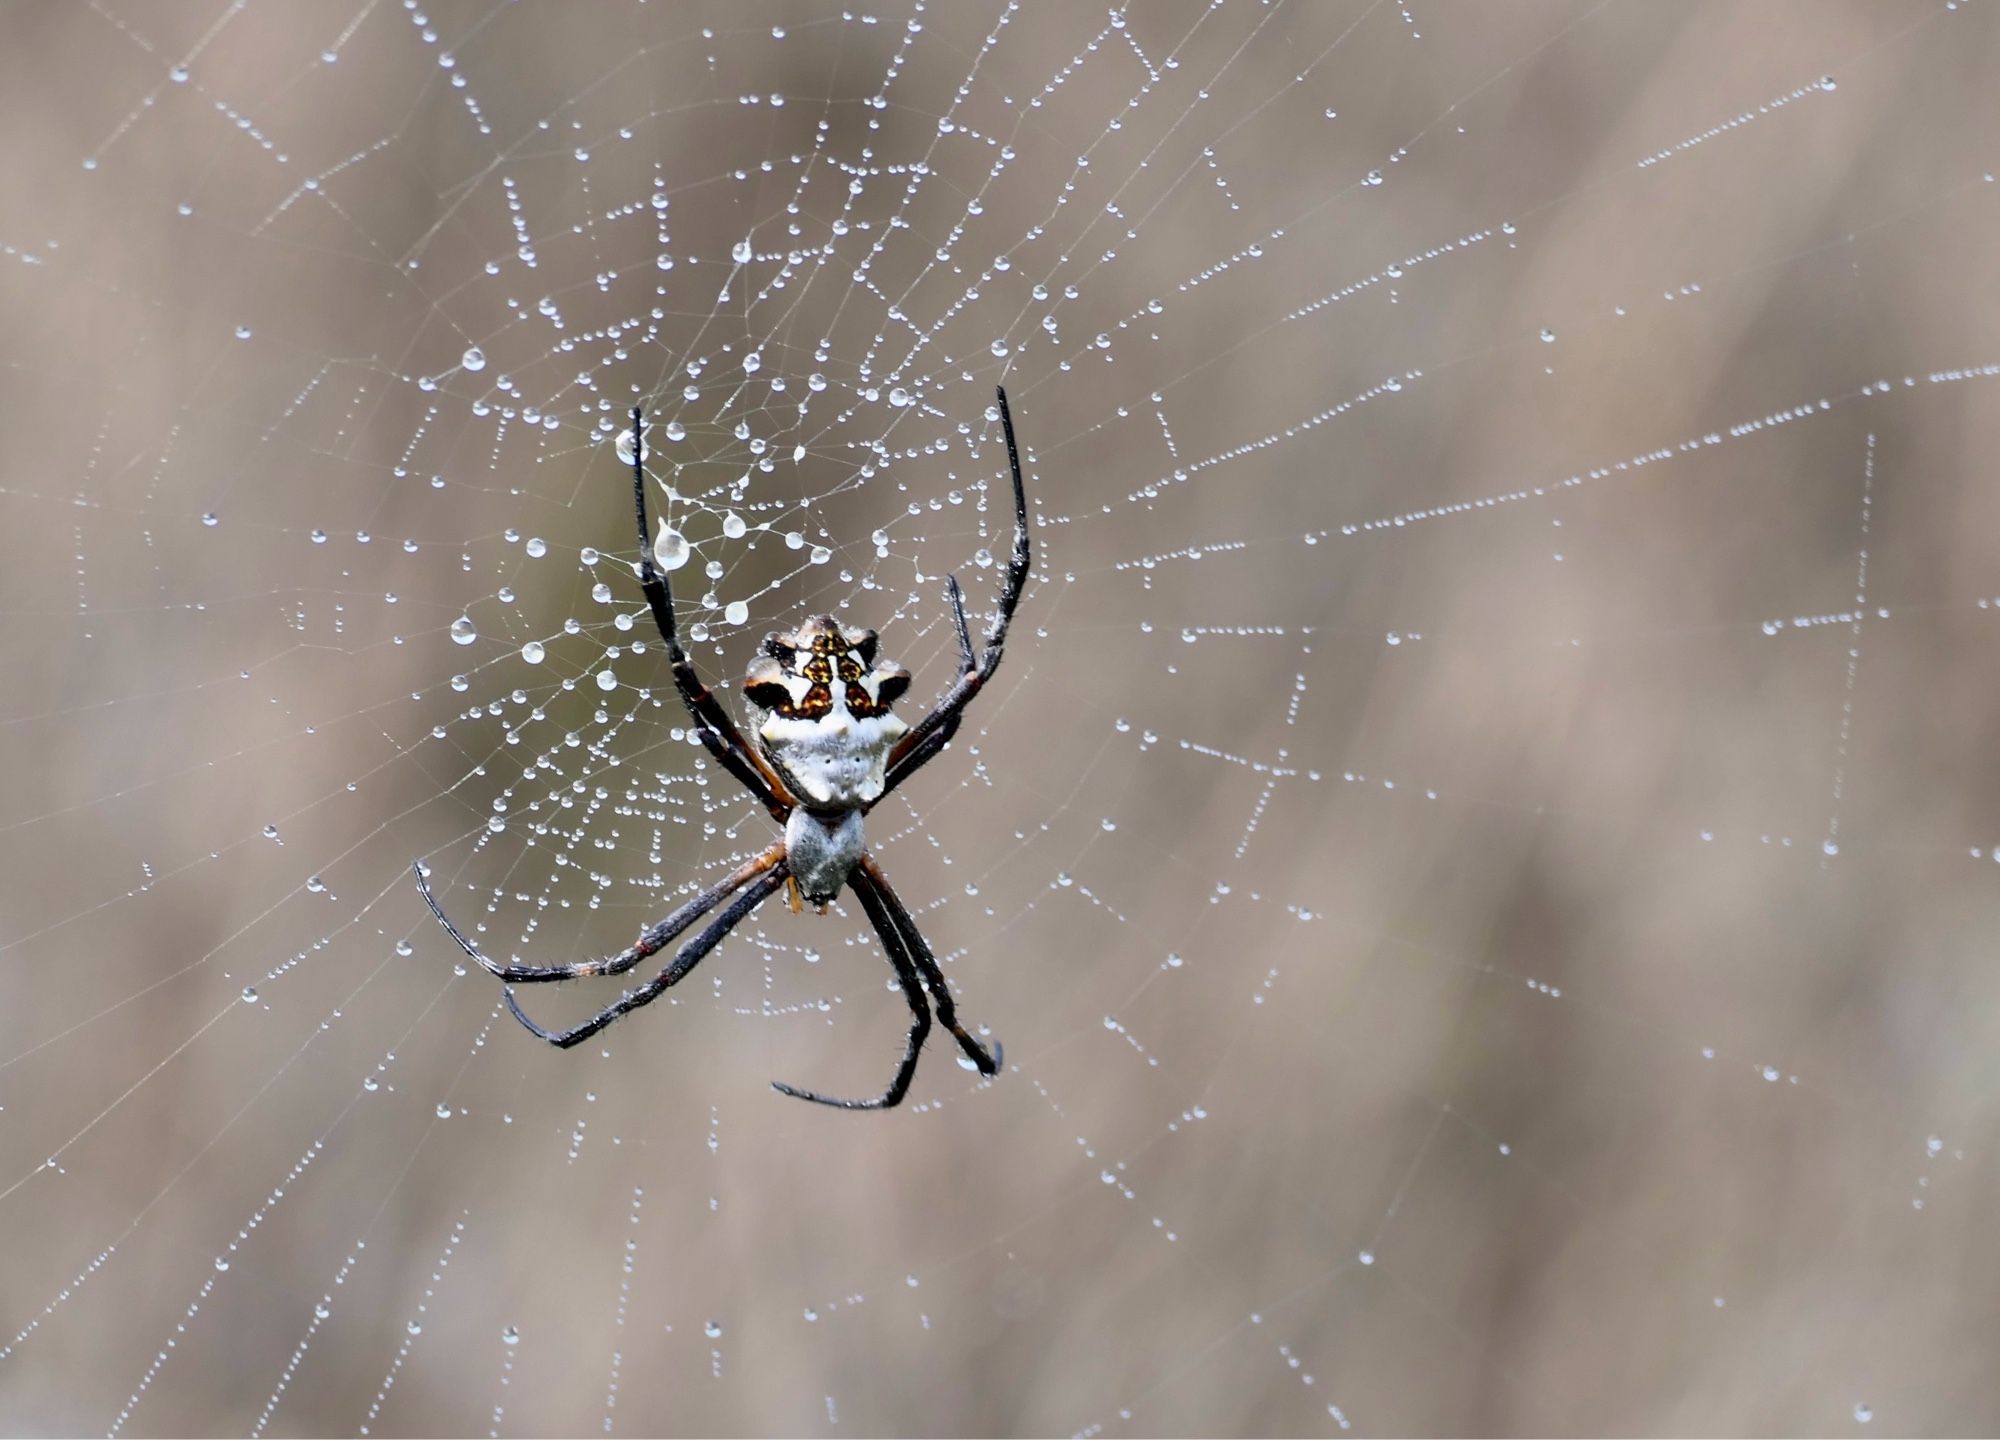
(1482, 851)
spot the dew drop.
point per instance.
(473, 359)
(250, 994)
(670, 550)
(736, 612)
(733, 526)
(532, 652)
(463, 632)
(606, 680)
(510, 1336)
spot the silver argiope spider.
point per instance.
(828, 749)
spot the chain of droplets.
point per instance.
(415, 1325)
(624, 1302)
(75, 1284)
(322, 1310)
(222, 1263)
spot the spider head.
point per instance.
(819, 670)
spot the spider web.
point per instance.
(1481, 851)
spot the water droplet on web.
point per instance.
(670, 550)
(443, 1113)
(221, 1263)
(463, 632)
(1366, 1257)
(250, 994)
(211, 519)
(741, 252)
(415, 1327)
(1863, 1413)
(318, 537)
(736, 612)
(536, 547)
(606, 680)
(676, 430)
(820, 555)
(999, 348)
(1548, 336)
(321, 1310)
(733, 526)
(473, 359)
(270, 832)
(899, 397)
(532, 652)
(371, 1084)
(510, 1336)
(983, 558)
(711, 1330)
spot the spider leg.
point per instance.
(868, 874)
(712, 723)
(920, 1022)
(652, 939)
(916, 747)
(690, 955)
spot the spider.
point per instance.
(828, 748)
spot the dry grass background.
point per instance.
(1667, 850)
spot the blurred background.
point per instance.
(1482, 851)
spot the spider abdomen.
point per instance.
(835, 761)
(822, 851)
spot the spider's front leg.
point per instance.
(712, 723)
(932, 733)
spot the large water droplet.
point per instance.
(463, 632)
(733, 526)
(741, 252)
(606, 680)
(473, 359)
(532, 652)
(670, 550)
(736, 613)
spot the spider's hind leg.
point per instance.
(913, 995)
(868, 877)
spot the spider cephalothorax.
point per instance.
(827, 749)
